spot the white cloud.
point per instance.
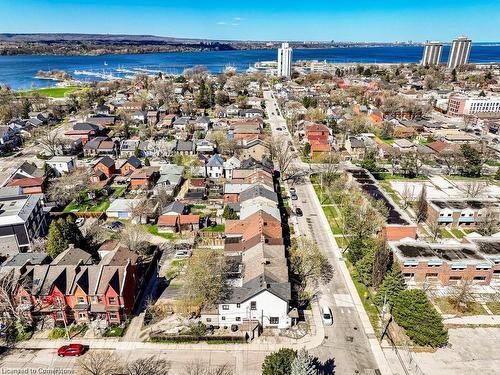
(238, 19)
(221, 23)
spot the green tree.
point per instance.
(56, 243)
(381, 262)
(147, 163)
(306, 151)
(473, 161)
(386, 130)
(229, 213)
(137, 152)
(303, 364)
(365, 267)
(279, 363)
(391, 286)
(422, 323)
(497, 174)
(370, 162)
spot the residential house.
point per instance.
(105, 167)
(229, 166)
(185, 147)
(144, 178)
(254, 148)
(123, 208)
(467, 212)
(178, 223)
(205, 146)
(62, 164)
(131, 164)
(215, 166)
(128, 147)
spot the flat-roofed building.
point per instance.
(22, 220)
(467, 212)
(423, 262)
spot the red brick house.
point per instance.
(106, 167)
(144, 178)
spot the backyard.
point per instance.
(100, 204)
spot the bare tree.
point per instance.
(49, 138)
(461, 294)
(162, 198)
(434, 228)
(148, 366)
(64, 189)
(94, 234)
(473, 189)
(9, 287)
(280, 152)
(98, 363)
(133, 237)
(488, 223)
(39, 245)
(201, 368)
(330, 167)
(141, 210)
(407, 195)
(422, 205)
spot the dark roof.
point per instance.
(72, 256)
(257, 285)
(27, 258)
(85, 126)
(107, 161)
(185, 146)
(134, 162)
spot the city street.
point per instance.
(346, 341)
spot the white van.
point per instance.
(326, 314)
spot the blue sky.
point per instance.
(340, 20)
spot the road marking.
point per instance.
(343, 300)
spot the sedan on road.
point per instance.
(298, 212)
(71, 350)
(294, 196)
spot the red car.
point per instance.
(70, 350)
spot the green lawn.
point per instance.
(333, 218)
(444, 233)
(341, 242)
(153, 229)
(218, 228)
(494, 306)
(388, 188)
(54, 92)
(114, 331)
(100, 205)
(365, 295)
(446, 307)
(458, 233)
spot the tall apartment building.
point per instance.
(285, 60)
(459, 105)
(432, 53)
(459, 53)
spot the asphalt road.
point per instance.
(345, 341)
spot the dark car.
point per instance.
(294, 196)
(117, 226)
(298, 212)
(71, 350)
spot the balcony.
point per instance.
(445, 219)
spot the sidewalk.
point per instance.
(368, 329)
(474, 320)
(308, 342)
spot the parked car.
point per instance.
(116, 226)
(298, 212)
(71, 350)
(294, 196)
(80, 221)
(182, 254)
(279, 129)
(292, 190)
(326, 314)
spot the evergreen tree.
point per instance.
(381, 263)
(391, 286)
(56, 243)
(229, 213)
(365, 268)
(422, 323)
(497, 174)
(473, 161)
(422, 205)
(147, 163)
(307, 150)
(279, 363)
(370, 162)
(303, 364)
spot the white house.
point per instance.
(215, 166)
(258, 297)
(122, 208)
(62, 164)
(230, 165)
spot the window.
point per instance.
(81, 300)
(238, 319)
(209, 320)
(225, 307)
(223, 318)
(274, 320)
(113, 316)
(238, 305)
(82, 315)
(480, 278)
(253, 305)
(59, 315)
(112, 300)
